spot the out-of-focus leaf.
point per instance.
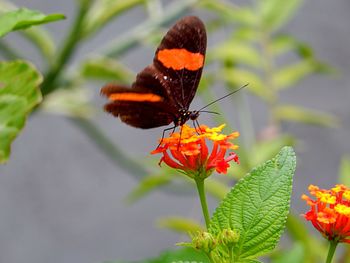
(187, 254)
(245, 34)
(297, 230)
(42, 40)
(239, 77)
(281, 44)
(275, 13)
(237, 52)
(136, 35)
(294, 255)
(266, 149)
(147, 185)
(23, 18)
(103, 11)
(103, 68)
(216, 188)
(230, 12)
(19, 94)
(298, 114)
(344, 171)
(290, 75)
(72, 102)
(180, 224)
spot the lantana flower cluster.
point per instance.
(330, 212)
(190, 152)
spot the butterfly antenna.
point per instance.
(223, 97)
(207, 111)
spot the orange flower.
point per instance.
(188, 150)
(330, 212)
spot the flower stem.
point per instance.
(332, 246)
(200, 188)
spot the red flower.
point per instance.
(189, 151)
(330, 212)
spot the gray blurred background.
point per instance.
(62, 200)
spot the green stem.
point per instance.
(66, 52)
(109, 148)
(269, 69)
(200, 188)
(332, 246)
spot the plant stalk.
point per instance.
(332, 246)
(66, 52)
(203, 200)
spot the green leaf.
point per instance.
(23, 18)
(303, 115)
(147, 185)
(19, 94)
(103, 68)
(257, 206)
(275, 13)
(180, 224)
(344, 171)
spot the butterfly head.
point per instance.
(186, 115)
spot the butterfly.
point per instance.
(164, 90)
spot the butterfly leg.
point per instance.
(199, 127)
(195, 127)
(178, 144)
(163, 134)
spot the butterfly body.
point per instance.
(163, 91)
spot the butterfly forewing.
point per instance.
(180, 58)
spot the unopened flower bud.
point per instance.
(228, 237)
(204, 241)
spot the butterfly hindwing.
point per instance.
(138, 107)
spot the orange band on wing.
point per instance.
(129, 96)
(180, 59)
